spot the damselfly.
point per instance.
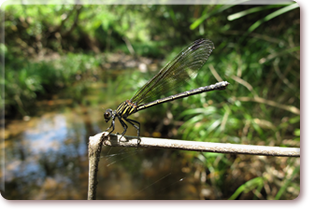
(183, 67)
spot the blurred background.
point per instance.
(66, 64)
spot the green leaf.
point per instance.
(273, 15)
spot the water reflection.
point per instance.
(46, 158)
(49, 155)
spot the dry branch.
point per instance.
(129, 141)
(96, 142)
(94, 150)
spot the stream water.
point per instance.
(46, 157)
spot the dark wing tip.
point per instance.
(201, 42)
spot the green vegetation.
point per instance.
(257, 49)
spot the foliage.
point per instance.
(26, 81)
(257, 52)
(263, 77)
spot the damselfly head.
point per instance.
(108, 114)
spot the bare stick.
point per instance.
(129, 141)
(96, 142)
(94, 149)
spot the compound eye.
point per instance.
(108, 114)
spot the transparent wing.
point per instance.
(183, 67)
